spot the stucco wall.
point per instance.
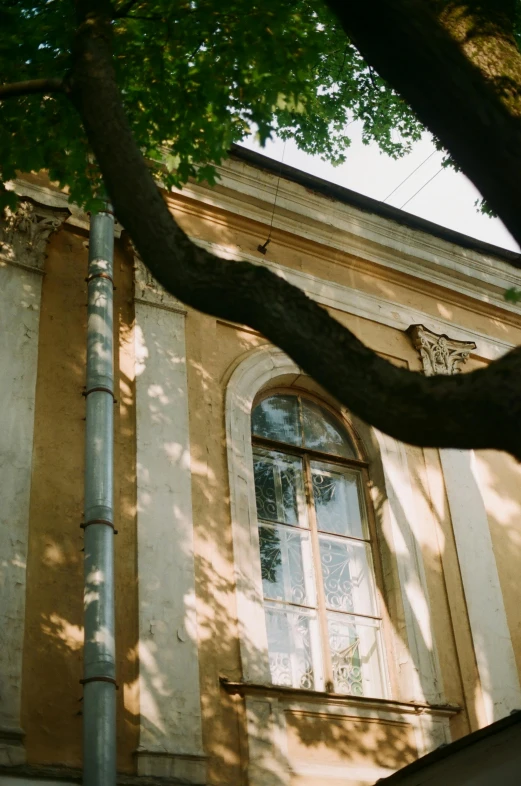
(499, 477)
(213, 349)
(52, 661)
(51, 691)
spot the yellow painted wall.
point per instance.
(213, 350)
(315, 738)
(51, 706)
(53, 639)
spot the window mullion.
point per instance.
(286, 574)
(277, 482)
(321, 595)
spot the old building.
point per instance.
(300, 600)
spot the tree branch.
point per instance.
(16, 89)
(481, 409)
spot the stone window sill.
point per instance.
(298, 694)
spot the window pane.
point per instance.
(279, 488)
(338, 500)
(292, 647)
(347, 575)
(355, 654)
(322, 431)
(277, 417)
(287, 565)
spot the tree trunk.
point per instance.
(472, 105)
(481, 409)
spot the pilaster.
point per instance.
(170, 703)
(479, 574)
(24, 235)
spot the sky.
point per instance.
(448, 199)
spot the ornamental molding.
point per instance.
(383, 241)
(148, 290)
(25, 232)
(439, 353)
(373, 307)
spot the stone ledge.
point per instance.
(304, 694)
(12, 749)
(72, 775)
(187, 768)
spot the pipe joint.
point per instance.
(105, 522)
(86, 680)
(98, 389)
(99, 274)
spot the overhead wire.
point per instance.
(421, 189)
(409, 175)
(263, 248)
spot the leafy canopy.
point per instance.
(195, 77)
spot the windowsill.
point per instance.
(300, 694)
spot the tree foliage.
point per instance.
(456, 62)
(195, 76)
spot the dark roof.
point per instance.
(368, 204)
(445, 752)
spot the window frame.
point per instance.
(361, 465)
(412, 668)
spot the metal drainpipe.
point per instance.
(99, 669)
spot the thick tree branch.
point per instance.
(404, 41)
(481, 409)
(16, 89)
(124, 10)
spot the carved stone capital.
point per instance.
(439, 353)
(25, 232)
(150, 291)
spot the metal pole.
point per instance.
(99, 670)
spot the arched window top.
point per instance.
(295, 420)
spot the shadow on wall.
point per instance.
(211, 348)
(51, 690)
(54, 633)
(55, 572)
(499, 476)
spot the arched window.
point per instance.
(322, 619)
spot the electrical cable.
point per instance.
(421, 189)
(263, 248)
(410, 175)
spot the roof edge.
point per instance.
(452, 748)
(368, 204)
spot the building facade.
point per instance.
(300, 599)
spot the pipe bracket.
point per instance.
(99, 389)
(99, 275)
(106, 522)
(85, 680)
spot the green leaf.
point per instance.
(512, 295)
(196, 77)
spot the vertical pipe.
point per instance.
(99, 671)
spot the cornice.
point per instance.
(371, 307)
(281, 239)
(249, 193)
(389, 244)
